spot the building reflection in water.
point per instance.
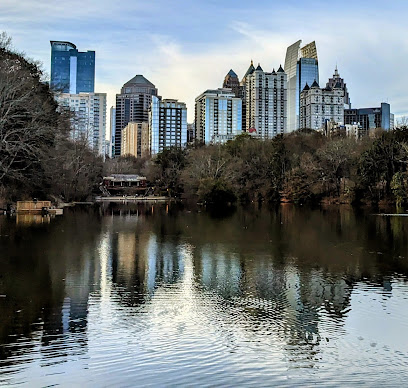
(271, 277)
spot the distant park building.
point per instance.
(136, 140)
(301, 67)
(72, 71)
(132, 105)
(218, 116)
(266, 102)
(320, 106)
(124, 184)
(371, 118)
(167, 124)
(89, 118)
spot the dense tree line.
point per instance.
(37, 156)
(301, 167)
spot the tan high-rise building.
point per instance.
(266, 102)
(135, 140)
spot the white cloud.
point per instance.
(189, 46)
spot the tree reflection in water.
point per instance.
(265, 277)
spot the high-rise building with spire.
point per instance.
(336, 79)
(266, 102)
(132, 105)
(318, 107)
(301, 67)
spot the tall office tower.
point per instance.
(231, 81)
(338, 80)
(112, 131)
(72, 71)
(89, 117)
(320, 106)
(168, 124)
(370, 118)
(190, 133)
(266, 103)
(301, 67)
(136, 140)
(132, 105)
(250, 70)
(218, 116)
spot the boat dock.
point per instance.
(37, 207)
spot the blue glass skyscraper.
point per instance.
(72, 71)
(301, 66)
(307, 72)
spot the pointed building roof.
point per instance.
(315, 84)
(280, 70)
(338, 86)
(306, 87)
(250, 70)
(139, 80)
(259, 67)
(232, 73)
(273, 71)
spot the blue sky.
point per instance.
(187, 46)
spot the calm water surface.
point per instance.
(161, 296)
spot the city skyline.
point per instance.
(182, 58)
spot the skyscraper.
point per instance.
(218, 116)
(73, 77)
(301, 67)
(167, 124)
(370, 118)
(320, 106)
(338, 80)
(112, 131)
(72, 71)
(231, 81)
(250, 70)
(266, 102)
(132, 105)
(89, 118)
(136, 140)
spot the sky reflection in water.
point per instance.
(143, 295)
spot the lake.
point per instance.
(165, 295)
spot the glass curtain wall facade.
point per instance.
(168, 124)
(370, 118)
(307, 73)
(72, 71)
(292, 55)
(132, 105)
(301, 67)
(218, 116)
